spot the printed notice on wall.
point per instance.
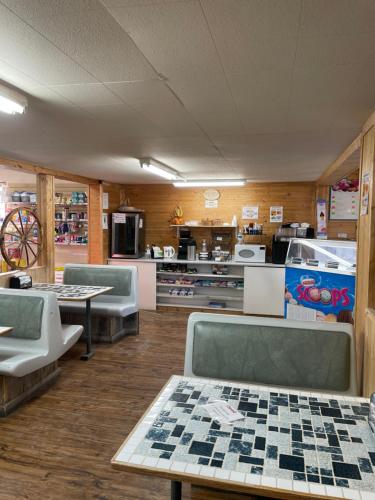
(211, 203)
(119, 218)
(344, 200)
(250, 212)
(104, 220)
(276, 214)
(321, 216)
(105, 201)
(365, 193)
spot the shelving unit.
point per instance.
(204, 296)
(71, 231)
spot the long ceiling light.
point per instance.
(11, 102)
(157, 168)
(223, 183)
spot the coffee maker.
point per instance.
(184, 242)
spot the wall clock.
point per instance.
(211, 194)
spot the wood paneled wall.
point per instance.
(365, 289)
(369, 354)
(159, 201)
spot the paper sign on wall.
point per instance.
(276, 214)
(365, 193)
(211, 203)
(105, 221)
(250, 212)
(321, 219)
(105, 201)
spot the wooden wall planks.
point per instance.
(115, 199)
(160, 200)
(369, 354)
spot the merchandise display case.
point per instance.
(320, 280)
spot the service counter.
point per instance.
(246, 287)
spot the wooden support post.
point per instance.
(365, 289)
(95, 234)
(46, 213)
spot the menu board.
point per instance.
(344, 205)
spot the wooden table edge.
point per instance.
(5, 329)
(199, 480)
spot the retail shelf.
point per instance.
(70, 220)
(232, 309)
(21, 203)
(202, 275)
(178, 285)
(71, 244)
(199, 296)
(69, 205)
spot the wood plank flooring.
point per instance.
(59, 446)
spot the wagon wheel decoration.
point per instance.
(21, 238)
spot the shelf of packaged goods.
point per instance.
(198, 296)
(21, 204)
(202, 275)
(70, 220)
(211, 308)
(179, 285)
(71, 244)
(70, 205)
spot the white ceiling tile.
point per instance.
(209, 100)
(38, 58)
(156, 101)
(86, 94)
(337, 17)
(319, 51)
(91, 37)
(173, 36)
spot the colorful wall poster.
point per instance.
(321, 219)
(344, 200)
(365, 193)
(276, 214)
(319, 296)
(250, 212)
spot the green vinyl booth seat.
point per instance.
(38, 338)
(277, 352)
(121, 301)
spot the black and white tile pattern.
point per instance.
(69, 291)
(307, 442)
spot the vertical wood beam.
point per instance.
(95, 231)
(365, 285)
(46, 213)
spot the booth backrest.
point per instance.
(24, 314)
(306, 355)
(120, 278)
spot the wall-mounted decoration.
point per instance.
(250, 212)
(344, 200)
(365, 193)
(211, 194)
(276, 214)
(321, 219)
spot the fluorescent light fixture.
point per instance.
(223, 183)
(157, 168)
(11, 102)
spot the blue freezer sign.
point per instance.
(319, 296)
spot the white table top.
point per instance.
(309, 445)
(5, 329)
(73, 293)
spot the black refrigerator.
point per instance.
(128, 230)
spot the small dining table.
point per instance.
(77, 293)
(5, 329)
(290, 444)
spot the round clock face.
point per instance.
(211, 194)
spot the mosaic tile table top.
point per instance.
(72, 292)
(307, 443)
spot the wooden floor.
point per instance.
(59, 446)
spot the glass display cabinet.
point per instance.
(320, 280)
